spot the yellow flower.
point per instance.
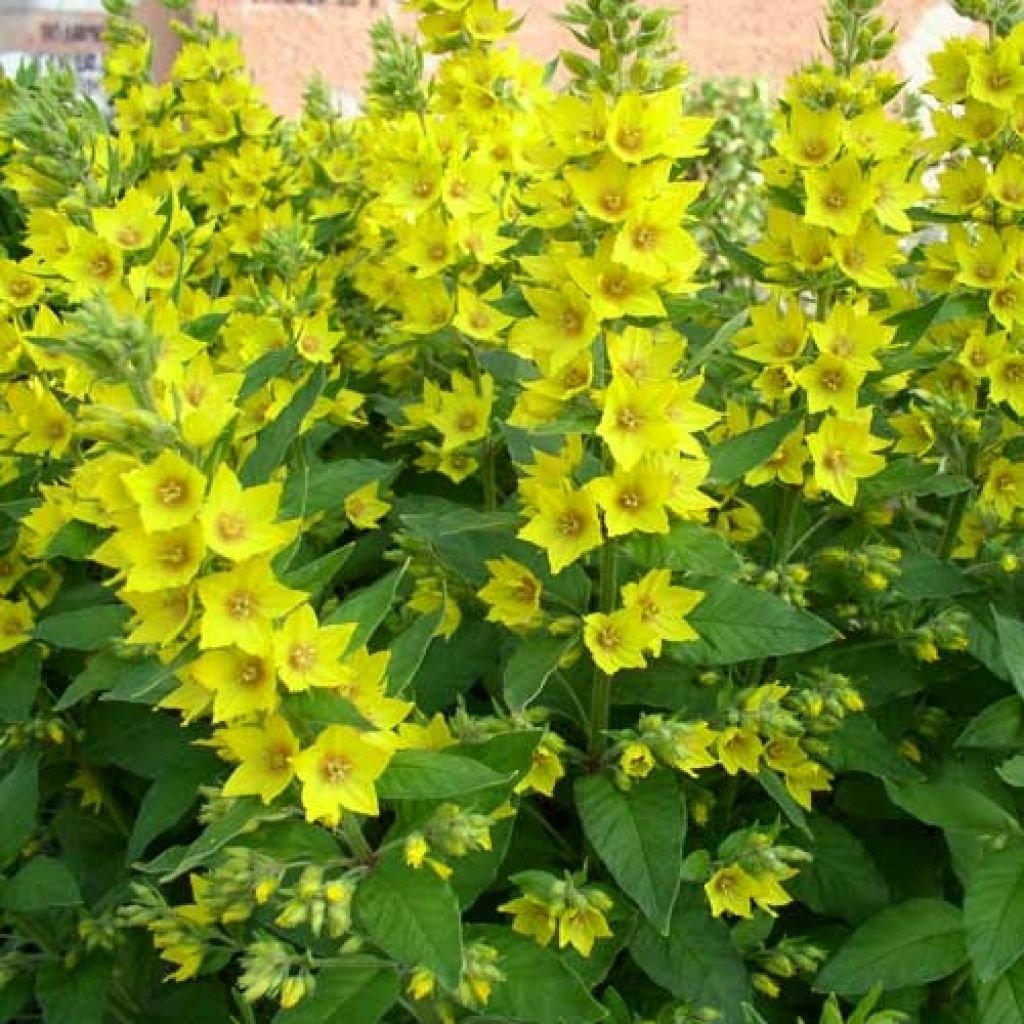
(565, 525)
(15, 624)
(663, 608)
(997, 75)
(775, 335)
(44, 425)
(161, 615)
(265, 753)
(688, 748)
(730, 891)
(533, 917)
(583, 922)
(163, 560)
(617, 640)
(636, 760)
(812, 138)
(564, 326)
(651, 242)
(838, 196)
(19, 287)
(852, 334)
(614, 290)
(168, 492)
(844, 451)
(738, 750)
(613, 189)
(464, 413)
(831, 382)
(240, 523)
(804, 779)
(545, 766)
(363, 507)
(633, 500)
(1006, 382)
(635, 421)
(866, 254)
(132, 224)
(241, 604)
(512, 593)
(242, 682)
(308, 654)
(1003, 490)
(339, 770)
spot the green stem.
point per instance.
(787, 524)
(487, 460)
(601, 687)
(352, 833)
(958, 505)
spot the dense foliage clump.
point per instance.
(498, 558)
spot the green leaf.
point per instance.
(167, 801)
(314, 576)
(1003, 1001)
(904, 478)
(1011, 771)
(214, 837)
(538, 986)
(697, 960)
(14, 997)
(1011, 641)
(44, 883)
(269, 365)
(740, 454)
(20, 676)
(842, 880)
(776, 789)
(1000, 726)
(326, 486)
(346, 994)
(858, 745)
(291, 840)
(408, 650)
(75, 540)
(739, 623)
(434, 775)
(107, 672)
(76, 996)
(275, 438)
(19, 803)
(86, 629)
(413, 916)
(687, 547)
(534, 662)
(638, 834)
(923, 576)
(994, 911)
(957, 800)
(369, 606)
(508, 753)
(913, 943)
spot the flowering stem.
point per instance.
(958, 506)
(787, 524)
(487, 457)
(601, 687)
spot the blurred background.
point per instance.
(285, 41)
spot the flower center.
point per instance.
(230, 526)
(570, 524)
(335, 768)
(242, 605)
(172, 491)
(302, 656)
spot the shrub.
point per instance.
(425, 599)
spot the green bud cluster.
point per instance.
(855, 34)
(394, 83)
(633, 47)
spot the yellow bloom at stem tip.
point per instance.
(339, 770)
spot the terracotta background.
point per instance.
(285, 41)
